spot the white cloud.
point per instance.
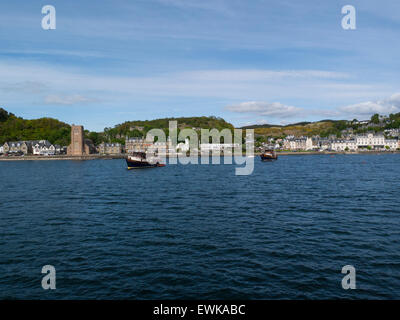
(278, 110)
(226, 84)
(68, 100)
(274, 109)
(386, 106)
(66, 86)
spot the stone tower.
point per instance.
(77, 146)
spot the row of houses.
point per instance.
(45, 148)
(359, 142)
(354, 143)
(141, 144)
(35, 147)
(110, 148)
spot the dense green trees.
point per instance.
(16, 129)
(375, 118)
(57, 132)
(4, 115)
(140, 128)
(96, 137)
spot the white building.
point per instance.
(344, 145)
(43, 148)
(370, 140)
(217, 147)
(1, 149)
(302, 143)
(393, 144)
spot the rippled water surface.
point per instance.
(285, 231)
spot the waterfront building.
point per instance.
(144, 144)
(344, 145)
(60, 149)
(392, 144)
(137, 144)
(218, 147)
(17, 146)
(79, 146)
(43, 148)
(295, 144)
(1, 149)
(349, 143)
(370, 140)
(324, 144)
(110, 148)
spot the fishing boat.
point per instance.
(139, 160)
(269, 155)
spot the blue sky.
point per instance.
(248, 61)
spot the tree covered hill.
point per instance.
(140, 128)
(13, 128)
(324, 128)
(4, 115)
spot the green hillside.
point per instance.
(140, 128)
(325, 128)
(13, 128)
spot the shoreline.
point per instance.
(62, 157)
(302, 153)
(122, 156)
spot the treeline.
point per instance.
(140, 128)
(13, 128)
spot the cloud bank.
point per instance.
(386, 106)
(274, 109)
(277, 110)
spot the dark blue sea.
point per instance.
(199, 231)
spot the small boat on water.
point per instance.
(269, 155)
(139, 160)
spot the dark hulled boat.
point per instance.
(269, 155)
(138, 160)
